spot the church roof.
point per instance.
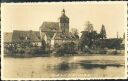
(8, 37)
(19, 36)
(49, 26)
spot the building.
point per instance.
(18, 36)
(57, 32)
(25, 36)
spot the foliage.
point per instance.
(66, 48)
(43, 46)
(113, 43)
(103, 32)
(92, 40)
(89, 39)
(38, 51)
(74, 31)
(88, 27)
(25, 47)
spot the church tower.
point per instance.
(64, 22)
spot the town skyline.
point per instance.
(31, 18)
(43, 41)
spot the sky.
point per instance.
(30, 16)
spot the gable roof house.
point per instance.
(24, 36)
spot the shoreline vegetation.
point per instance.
(108, 53)
(26, 49)
(32, 56)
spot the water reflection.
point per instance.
(65, 66)
(94, 66)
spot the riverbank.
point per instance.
(41, 53)
(64, 55)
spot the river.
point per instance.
(64, 67)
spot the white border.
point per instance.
(86, 2)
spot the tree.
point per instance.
(66, 48)
(43, 45)
(88, 27)
(114, 43)
(74, 31)
(103, 32)
(90, 37)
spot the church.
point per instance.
(57, 32)
(51, 32)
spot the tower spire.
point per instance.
(63, 12)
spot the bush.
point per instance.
(24, 49)
(66, 48)
(37, 51)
